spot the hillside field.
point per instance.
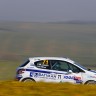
(20, 40)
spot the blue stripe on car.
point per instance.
(42, 71)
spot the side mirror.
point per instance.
(89, 69)
(69, 72)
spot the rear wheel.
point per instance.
(28, 80)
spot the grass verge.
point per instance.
(12, 88)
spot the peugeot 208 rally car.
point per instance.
(54, 69)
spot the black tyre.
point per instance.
(90, 82)
(28, 80)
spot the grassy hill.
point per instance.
(20, 40)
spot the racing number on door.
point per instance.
(45, 62)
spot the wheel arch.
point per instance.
(27, 78)
(89, 81)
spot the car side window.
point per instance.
(43, 64)
(75, 69)
(59, 65)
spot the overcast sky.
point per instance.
(47, 10)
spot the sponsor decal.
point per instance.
(69, 77)
(43, 75)
(59, 76)
(31, 74)
(76, 78)
(79, 81)
(72, 77)
(92, 76)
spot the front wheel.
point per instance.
(90, 82)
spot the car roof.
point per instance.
(52, 58)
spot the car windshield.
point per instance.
(25, 63)
(81, 66)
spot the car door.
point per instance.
(44, 72)
(64, 71)
(77, 72)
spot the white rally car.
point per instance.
(54, 69)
